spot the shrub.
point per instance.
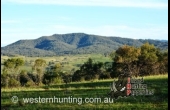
(82, 78)
(58, 80)
(13, 83)
(105, 75)
(24, 78)
(4, 80)
(30, 83)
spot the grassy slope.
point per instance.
(96, 89)
(73, 60)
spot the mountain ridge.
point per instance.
(74, 43)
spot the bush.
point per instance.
(24, 78)
(13, 83)
(82, 78)
(30, 83)
(95, 77)
(87, 78)
(33, 77)
(4, 80)
(105, 75)
(67, 78)
(58, 80)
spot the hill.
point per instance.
(73, 43)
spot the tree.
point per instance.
(39, 66)
(139, 61)
(24, 78)
(12, 65)
(53, 74)
(88, 71)
(162, 62)
(125, 59)
(148, 59)
(9, 77)
(112, 55)
(4, 80)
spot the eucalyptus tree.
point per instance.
(39, 67)
(12, 65)
(126, 58)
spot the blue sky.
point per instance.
(31, 19)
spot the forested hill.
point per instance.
(73, 43)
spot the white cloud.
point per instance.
(111, 3)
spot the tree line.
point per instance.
(136, 61)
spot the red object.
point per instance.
(128, 91)
(128, 86)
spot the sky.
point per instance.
(31, 19)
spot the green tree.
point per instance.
(24, 78)
(148, 59)
(4, 80)
(125, 59)
(53, 74)
(144, 60)
(12, 65)
(162, 62)
(39, 66)
(88, 71)
(9, 77)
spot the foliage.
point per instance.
(135, 61)
(4, 80)
(89, 89)
(73, 43)
(53, 74)
(12, 65)
(13, 83)
(143, 60)
(90, 70)
(30, 83)
(24, 78)
(39, 66)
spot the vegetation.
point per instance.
(88, 71)
(88, 89)
(85, 76)
(136, 61)
(12, 65)
(74, 43)
(141, 61)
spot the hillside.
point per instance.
(73, 43)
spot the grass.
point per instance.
(89, 89)
(73, 60)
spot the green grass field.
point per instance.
(85, 90)
(73, 60)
